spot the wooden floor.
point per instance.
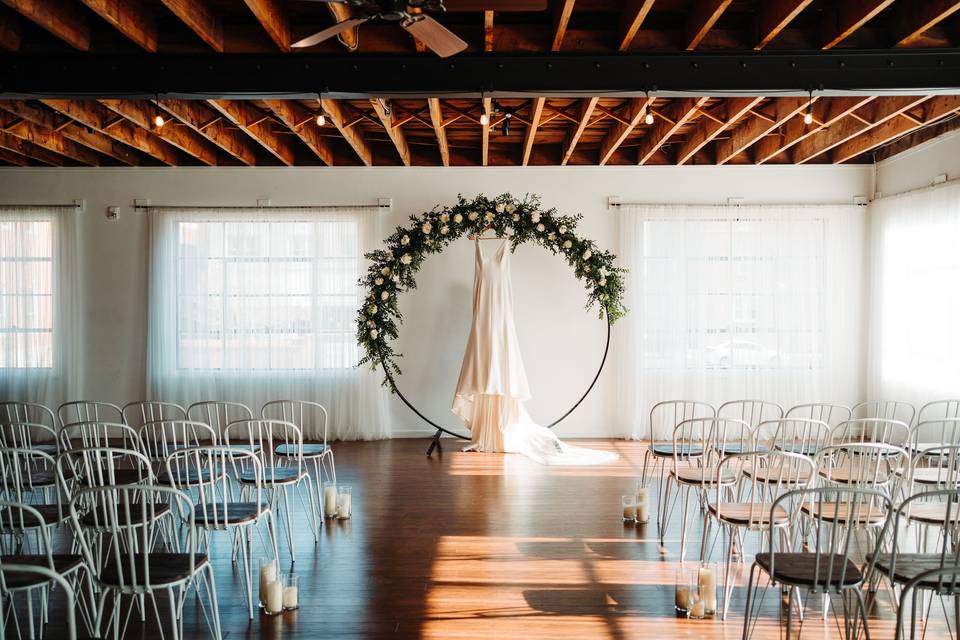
(470, 545)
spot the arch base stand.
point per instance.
(435, 443)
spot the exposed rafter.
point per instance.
(758, 128)
(13, 158)
(920, 17)
(587, 105)
(707, 129)
(826, 112)
(486, 104)
(634, 110)
(9, 31)
(130, 18)
(703, 15)
(632, 17)
(22, 147)
(141, 113)
(303, 123)
(273, 17)
(353, 137)
(436, 119)
(394, 132)
(341, 12)
(660, 132)
(850, 16)
(201, 18)
(561, 18)
(211, 126)
(256, 125)
(63, 18)
(53, 141)
(774, 17)
(536, 110)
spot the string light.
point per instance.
(158, 121)
(649, 117)
(484, 119)
(321, 120)
(808, 116)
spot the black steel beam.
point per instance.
(304, 75)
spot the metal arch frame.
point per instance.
(435, 441)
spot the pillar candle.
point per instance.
(708, 588)
(330, 500)
(274, 597)
(268, 573)
(344, 510)
(698, 610)
(629, 511)
(643, 511)
(290, 598)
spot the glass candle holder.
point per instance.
(707, 580)
(643, 502)
(291, 591)
(268, 574)
(629, 504)
(345, 502)
(682, 601)
(274, 602)
(330, 499)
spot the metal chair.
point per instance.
(795, 435)
(932, 580)
(935, 432)
(829, 568)
(665, 416)
(832, 414)
(89, 411)
(885, 430)
(281, 473)
(218, 414)
(15, 577)
(161, 438)
(311, 417)
(131, 562)
(214, 507)
(138, 413)
(16, 412)
(100, 434)
(753, 412)
(30, 435)
(939, 409)
(30, 477)
(887, 410)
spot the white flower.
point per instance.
(499, 208)
(551, 236)
(384, 295)
(511, 208)
(541, 228)
(406, 258)
(405, 240)
(371, 309)
(586, 269)
(563, 229)
(516, 217)
(488, 216)
(472, 216)
(603, 271)
(373, 334)
(444, 230)
(535, 217)
(508, 231)
(587, 254)
(567, 244)
(378, 281)
(602, 282)
(426, 228)
(444, 217)
(457, 219)
(395, 278)
(389, 255)
(385, 271)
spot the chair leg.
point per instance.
(247, 567)
(727, 587)
(174, 618)
(863, 613)
(704, 542)
(683, 523)
(313, 510)
(666, 515)
(212, 592)
(789, 614)
(746, 610)
(286, 510)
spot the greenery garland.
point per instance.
(392, 269)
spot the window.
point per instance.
(26, 291)
(266, 295)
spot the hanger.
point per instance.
(480, 236)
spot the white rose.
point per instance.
(384, 295)
(586, 269)
(372, 309)
(587, 254)
(373, 334)
(516, 217)
(511, 208)
(444, 230)
(395, 278)
(567, 244)
(499, 208)
(406, 259)
(385, 271)
(472, 215)
(551, 236)
(426, 228)
(488, 216)
(563, 229)
(602, 282)
(378, 281)
(535, 216)
(444, 217)
(405, 240)
(541, 228)
(457, 219)
(603, 271)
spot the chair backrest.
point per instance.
(728, 435)
(218, 414)
(666, 415)
(131, 518)
(136, 414)
(766, 475)
(26, 473)
(9, 572)
(691, 439)
(833, 546)
(32, 412)
(832, 414)
(939, 409)
(795, 435)
(753, 412)
(83, 468)
(27, 435)
(264, 436)
(887, 409)
(939, 466)
(928, 433)
(89, 411)
(311, 417)
(883, 430)
(100, 434)
(863, 464)
(947, 555)
(17, 518)
(204, 471)
(160, 438)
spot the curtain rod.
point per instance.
(76, 204)
(613, 203)
(383, 204)
(929, 187)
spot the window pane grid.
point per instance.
(26, 294)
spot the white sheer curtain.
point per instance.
(39, 321)
(750, 302)
(915, 296)
(258, 305)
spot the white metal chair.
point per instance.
(887, 431)
(161, 438)
(753, 412)
(795, 435)
(14, 412)
(138, 413)
(218, 414)
(939, 409)
(132, 561)
(16, 577)
(30, 435)
(934, 432)
(887, 410)
(214, 506)
(312, 419)
(100, 434)
(280, 473)
(832, 414)
(89, 411)
(30, 477)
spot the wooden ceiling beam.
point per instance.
(353, 137)
(350, 37)
(883, 109)
(486, 105)
(273, 17)
(299, 120)
(53, 141)
(22, 147)
(826, 112)
(214, 128)
(71, 130)
(660, 132)
(130, 18)
(917, 18)
(201, 18)
(934, 109)
(561, 18)
(436, 118)
(488, 35)
(9, 31)
(394, 132)
(587, 105)
(98, 118)
(631, 18)
(703, 15)
(774, 17)
(634, 110)
(63, 18)
(13, 158)
(141, 113)
(758, 128)
(707, 129)
(255, 124)
(536, 110)
(850, 16)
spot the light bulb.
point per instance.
(484, 119)
(158, 121)
(321, 120)
(808, 118)
(648, 118)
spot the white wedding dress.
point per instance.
(493, 386)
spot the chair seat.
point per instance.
(733, 448)
(242, 446)
(165, 568)
(910, 565)
(273, 475)
(311, 450)
(51, 514)
(932, 513)
(797, 447)
(47, 447)
(666, 450)
(62, 563)
(865, 514)
(847, 473)
(749, 515)
(697, 475)
(219, 513)
(935, 475)
(98, 517)
(185, 477)
(801, 569)
(785, 474)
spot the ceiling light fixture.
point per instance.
(484, 118)
(649, 117)
(321, 119)
(158, 120)
(808, 116)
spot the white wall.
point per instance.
(562, 343)
(917, 167)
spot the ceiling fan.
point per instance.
(409, 14)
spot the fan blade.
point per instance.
(435, 36)
(328, 33)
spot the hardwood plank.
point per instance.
(53, 141)
(703, 15)
(529, 137)
(303, 123)
(756, 129)
(394, 131)
(634, 110)
(436, 119)
(827, 112)
(130, 18)
(662, 130)
(353, 137)
(707, 129)
(561, 18)
(918, 18)
(631, 19)
(212, 126)
(273, 17)
(251, 121)
(9, 31)
(142, 112)
(201, 18)
(774, 17)
(587, 105)
(63, 18)
(850, 16)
